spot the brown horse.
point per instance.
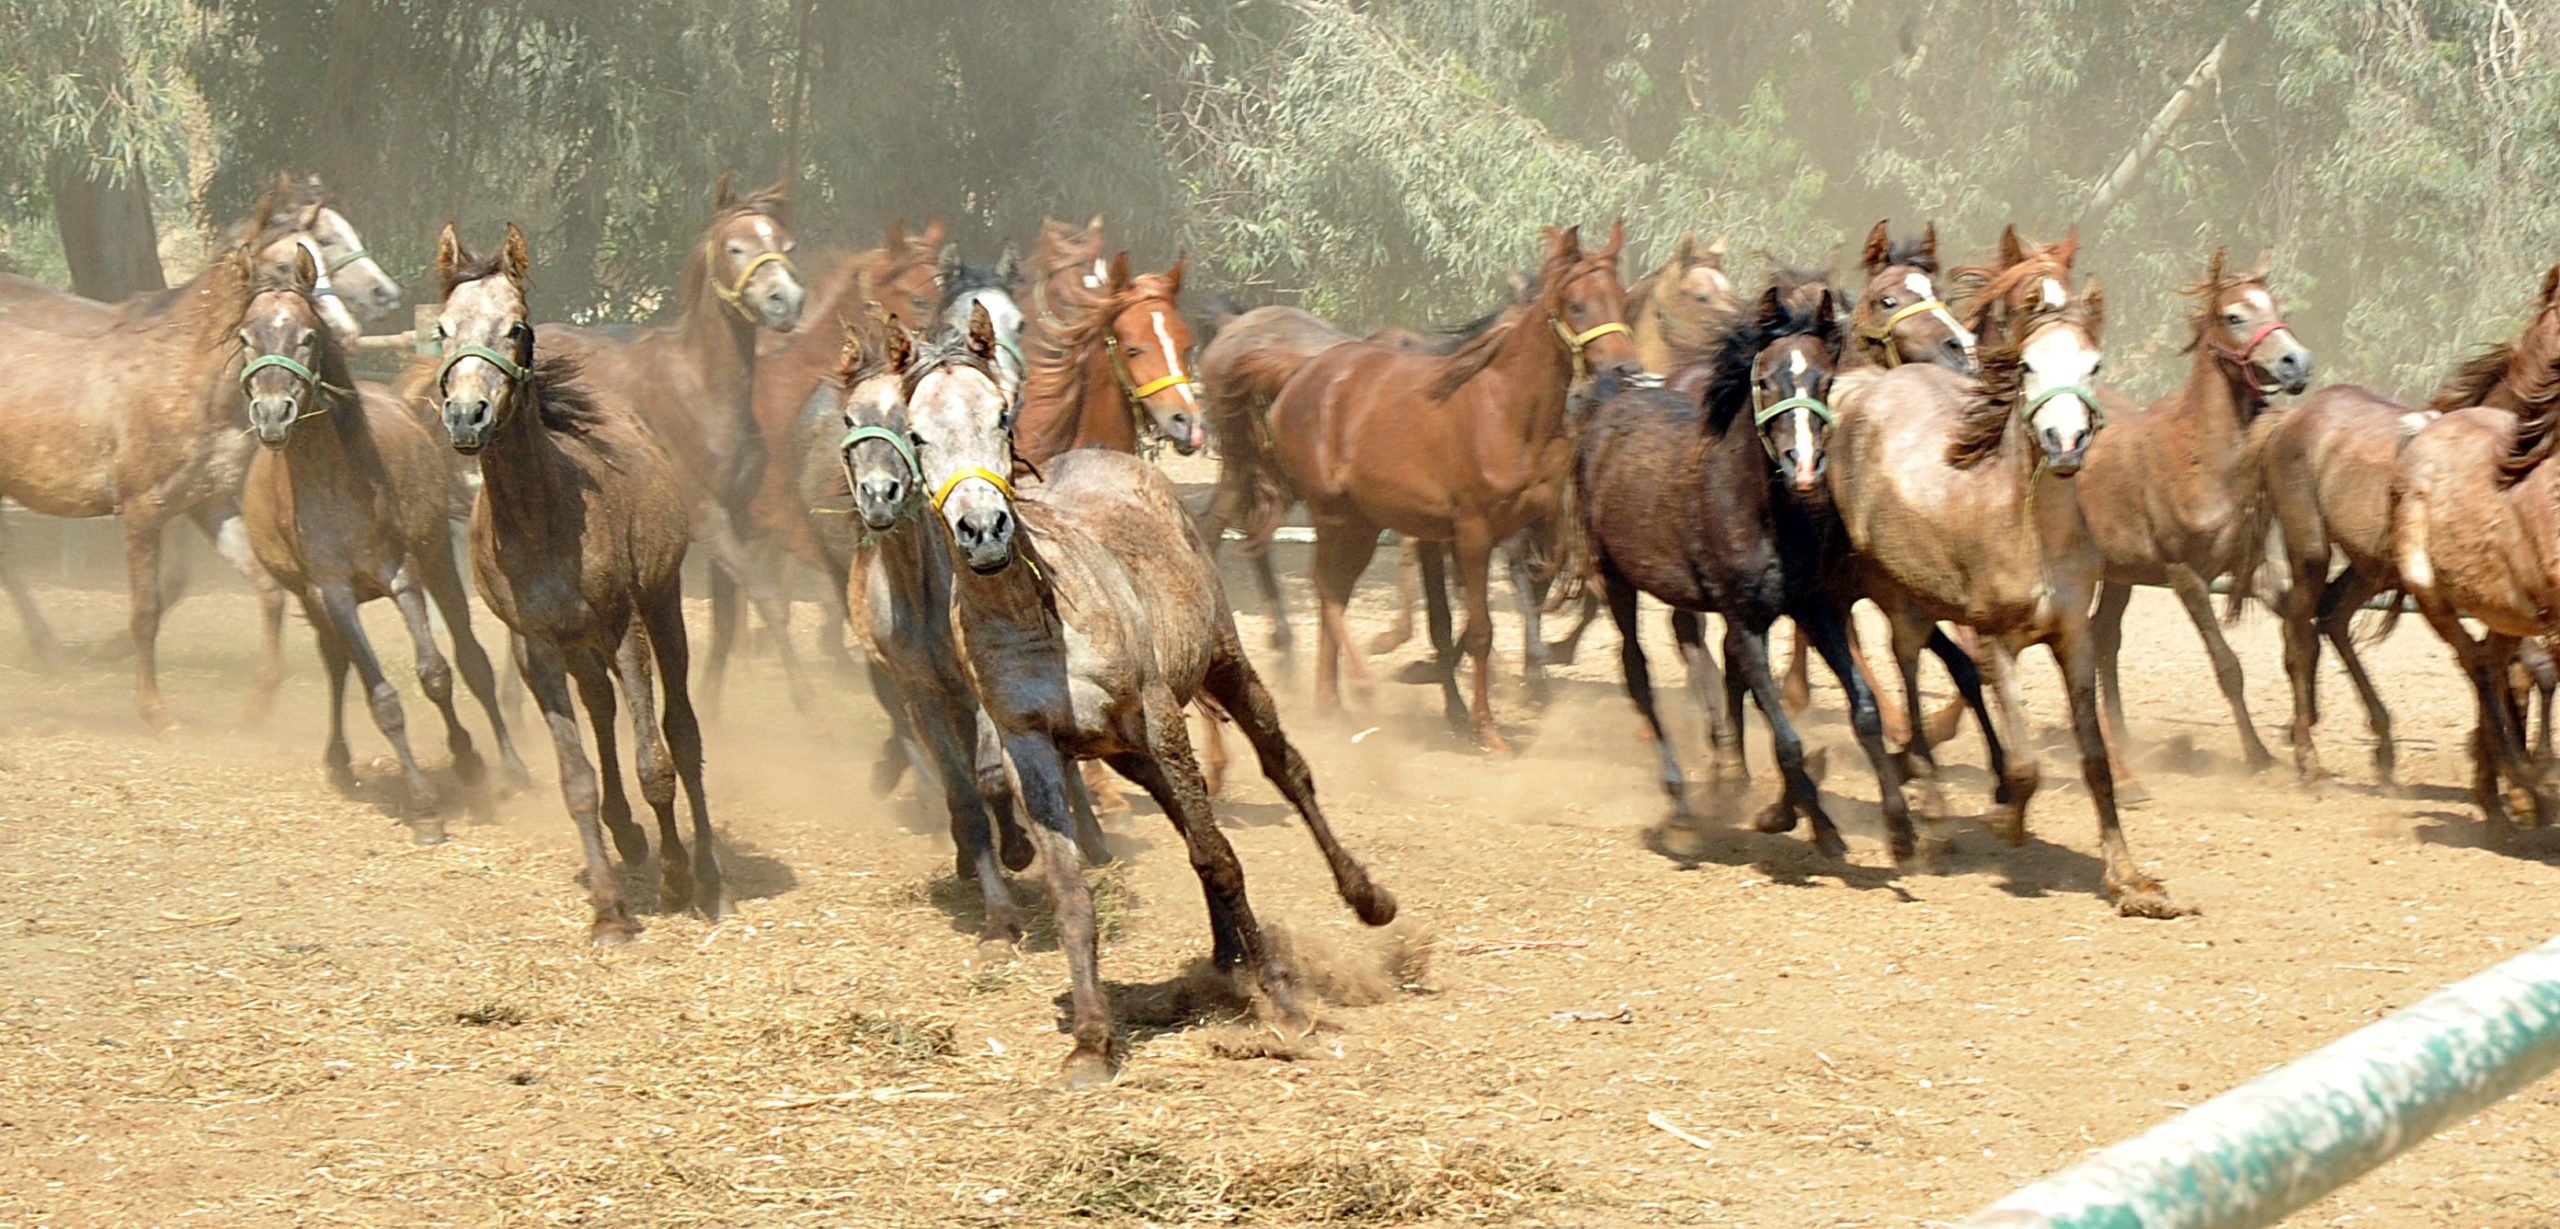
(1090, 614)
(1467, 448)
(2475, 534)
(1682, 310)
(1067, 259)
(1961, 497)
(2170, 491)
(130, 410)
(349, 509)
(1111, 366)
(578, 544)
(693, 383)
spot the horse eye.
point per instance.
(1890, 301)
(915, 439)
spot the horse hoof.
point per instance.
(2130, 792)
(1829, 843)
(675, 891)
(156, 716)
(1679, 839)
(1084, 1069)
(1491, 742)
(1420, 673)
(610, 932)
(1388, 641)
(713, 905)
(1376, 906)
(2145, 898)
(1904, 845)
(1774, 821)
(427, 833)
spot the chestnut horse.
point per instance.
(693, 383)
(1682, 310)
(1468, 448)
(351, 508)
(1961, 498)
(1112, 366)
(2475, 534)
(578, 544)
(130, 410)
(1067, 259)
(2170, 491)
(1090, 614)
(1721, 509)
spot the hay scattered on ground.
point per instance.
(1123, 1175)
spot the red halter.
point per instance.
(2241, 355)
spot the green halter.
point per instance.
(506, 366)
(309, 379)
(1761, 418)
(897, 443)
(2097, 413)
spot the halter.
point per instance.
(1576, 343)
(1883, 333)
(353, 255)
(1138, 393)
(1003, 485)
(308, 378)
(506, 366)
(1762, 417)
(2240, 357)
(734, 293)
(2097, 412)
(1040, 299)
(897, 443)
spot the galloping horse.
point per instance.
(1110, 366)
(349, 509)
(1721, 509)
(1090, 614)
(2170, 492)
(1068, 258)
(1682, 310)
(578, 544)
(2475, 534)
(2326, 469)
(1961, 499)
(1466, 448)
(693, 383)
(130, 410)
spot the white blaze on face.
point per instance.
(1802, 416)
(957, 415)
(1922, 291)
(2060, 357)
(2055, 296)
(1101, 273)
(1173, 360)
(334, 312)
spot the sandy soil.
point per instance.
(235, 998)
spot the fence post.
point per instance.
(2286, 1138)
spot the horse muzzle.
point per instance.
(467, 425)
(881, 502)
(985, 539)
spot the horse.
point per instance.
(2473, 524)
(349, 509)
(2325, 467)
(2171, 493)
(1680, 312)
(126, 410)
(1720, 508)
(578, 544)
(1090, 614)
(1468, 448)
(1960, 499)
(1110, 368)
(1067, 258)
(693, 383)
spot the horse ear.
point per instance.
(897, 239)
(723, 195)
(935, 232)
(448, 253)
(849, 359)
(1093, 228)
(2551, 286)
(1118, 279)
(306, 269)
(2070, 246)
(1929, 245)
(517, 261)
(1716, 250)
(1827, 314)
(982, 332)
(1174, 274)
(1617, 239)
(2011, 250)
(1517, 284)
(1879, 250)
(898, 347)
(1688, 251)
(2213, 271)
(2266, 262)
(1773, 306)
(1009, 265)
(2096, 299)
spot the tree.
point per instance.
(91, 98)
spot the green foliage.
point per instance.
(90, 85)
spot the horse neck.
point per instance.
(1012, 608)
(917, 563)
(1103, 416)
(2217, 403)
(520, 468)
(721, 343)
(2533, 368)
(339, 444)
(1540, 365)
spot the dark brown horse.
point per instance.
(1467, 448)
(1961, 499)
(2170, 491)
(693, 383)
(1110, 367)
(131, 410)
(578, 544)
(1090, 614)
(1722, 509)
(351, 508)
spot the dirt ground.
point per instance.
(232, 997)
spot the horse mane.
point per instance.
(2004, 365)
(1470, 359)
(567, 407)
(946, 348)
(1912, 250)
(1056, 378)
(1981, 289)
(1796, 315)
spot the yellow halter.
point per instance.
(1576, 343)
(1883, 333)
(994, 479)
(1138, 393)
(735, 293)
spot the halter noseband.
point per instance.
(2240, 357)
(1883, 333)
(735, 293)
(1137, 393)
(1003, 485)
(1819, 409)
(897, 443)
(1576, 343)
(304, 375)
(2097, 412)
(506, 366)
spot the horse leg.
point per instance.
(891, 766)
(142, 522)
(1707, 689)
(2338, 606)
(338, 604)
(1911, 632)
(2535, 655)
(1043, 776)
(435, 675)
(2497, 740)
(2135, 894)
(2298, 617)
(1080, 800)
(2192, 591)
(663, 616)
(1103, 796)
(2023, 773)
(1475, 567)
(995, 787)
(40, 638)
(1238, 689)
(230, 536)
(511, 688)
(1797, 689)
(1895, 722)
(649, 757)
(1408, 568)
(729, 561)
(1443, 666)
(1283, 640)
(950, 730)
(334, 757)
(593, 675)
(546, 671)
(725, 617)
(1677, 836)
(2106, 636)
(444, 588)
(1343, 549)
(1746, 657)
(1942, 723)
(1529, 596)
(1959, 661)
(1827, 627)
(1562, 652)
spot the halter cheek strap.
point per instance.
(735, 293)
(1576, 343)
(353, 255)
(506, 366)
(2240, 357)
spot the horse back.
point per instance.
(2462, 539)
(2327, 465)
(1134, 579)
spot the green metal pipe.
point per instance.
(2286, 1138)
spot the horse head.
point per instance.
(486, 332)
(1899, 314)
(2240, 322)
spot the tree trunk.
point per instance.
(107, 235)
(2129, 169)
